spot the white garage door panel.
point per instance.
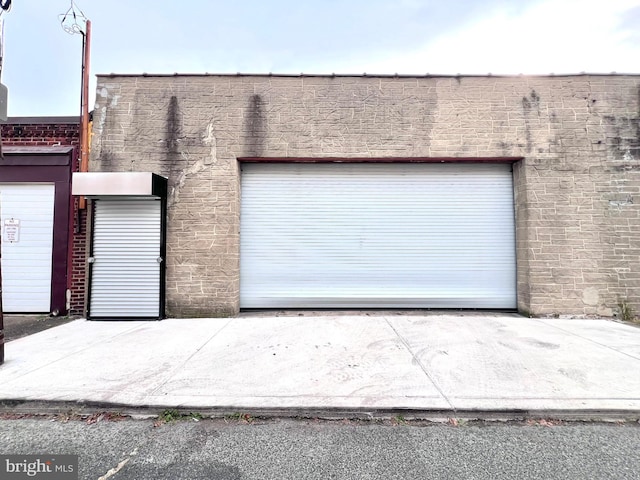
(372, 235)
(27, 264)
(125, 276)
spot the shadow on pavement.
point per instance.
(18, 326)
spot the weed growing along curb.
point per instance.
(239, 417)
(399, 420)
(172, 415)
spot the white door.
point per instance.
(377, 235)
(26, 212)
(125, 260)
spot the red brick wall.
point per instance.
(49, 132)
(37, 134)
(78, 263)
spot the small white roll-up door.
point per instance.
(27, 243)
(377, 235)
(126, 263)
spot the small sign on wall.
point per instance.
(11, 230)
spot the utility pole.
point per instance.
(84, 120)
(74, 21)
(5, 6)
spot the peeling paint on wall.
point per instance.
(195, 167)
(210, 140)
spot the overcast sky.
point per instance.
(42, 63)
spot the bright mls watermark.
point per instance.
(50, 467)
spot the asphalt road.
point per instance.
(296, 449)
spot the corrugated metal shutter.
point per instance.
(377, 235)
(125, 274)
(26, 264)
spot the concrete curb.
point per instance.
(85, 409)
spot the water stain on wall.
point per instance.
(255, 127)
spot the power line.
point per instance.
(73, 20)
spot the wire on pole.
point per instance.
(73, 20)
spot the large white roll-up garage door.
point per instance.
(126, 263)
(334, 235)
(27, 243)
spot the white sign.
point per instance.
(11, 230)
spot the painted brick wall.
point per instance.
(577, 188)
(51, 131)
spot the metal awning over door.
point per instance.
(126, 264)
(397, 235)
(126, 261)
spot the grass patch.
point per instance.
(626, 311)
(172, 415)
(239, 417)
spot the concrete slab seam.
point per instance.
(419, 363)
(181, 365)
(588, 340)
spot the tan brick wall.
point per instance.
(577, 190)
